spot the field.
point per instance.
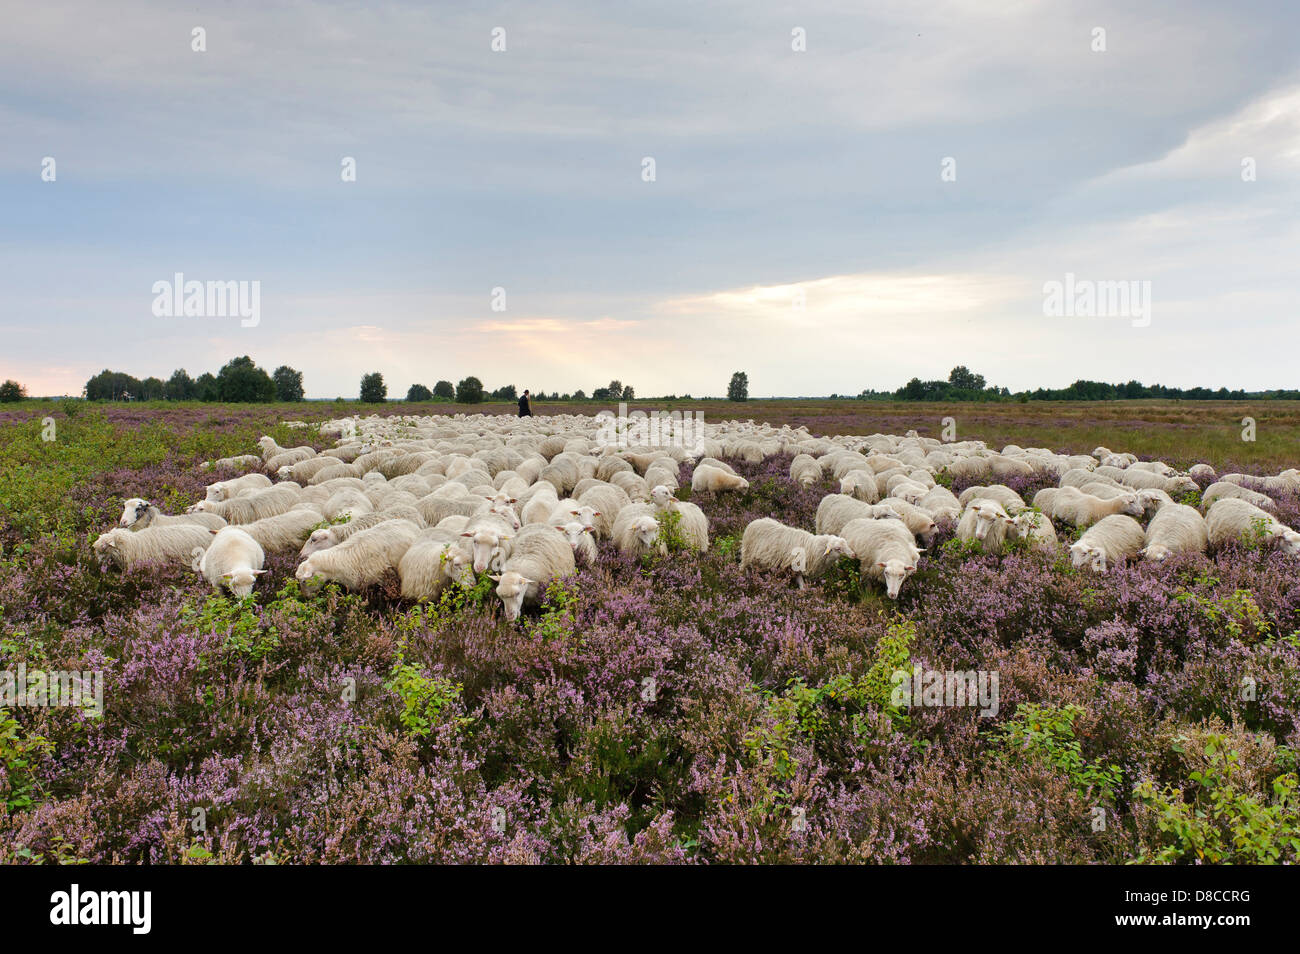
(671, 710)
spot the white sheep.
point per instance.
(805, 470)
(1107, 542)
(885, 550)
(636, 531)
(581, 540)
(1231, 520)
(139, 513)
(361, 560)
(716, 480)
(1225, 489)
(606, 501)
(692, 525)
(1011, 501)
(861, 485)
(226, 489)
(425, 569)
(128, 549)
(835, 510)
(233, 560)
(346, 503)
(1201, 472)
(540, 555)
(1035, 528)
(285, 531)
(487, 536)
(1071, 505)
(238, 462)
(1176, 528)
(986, 521)
(918, 521)
(265, 503)
(770, 544)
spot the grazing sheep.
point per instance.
(1201, 472)
(861, 485)
(636, 531)
(1225, 489)
(1231, 520)
(770, 544)
(984, 520)
(233, 560)
(436, 507)
(885, 550)
(540, 555)
(1071, 505)
(487, 536)
(1176, 528)
(940, 503)
(255, 506)
(606, 502)
(226, 489)
(693, 525)
(423, 569)
(1035, 528)
(271, 449)
(361, 560)
(716, 480)
(805, 470)
(631, 484)
(1011, 501)
(139, 513)
(581, 539)
(918, 521)
(346, 503)
(1107, 542)
(835, 510)
(128, 549)
(286, 531)
(238, 462)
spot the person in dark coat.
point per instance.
(525, 405)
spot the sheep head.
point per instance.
(513, 588)
(134, 510)
(646, 531)
(573, 532)
(240, 582)
(895, 572)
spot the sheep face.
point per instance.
(134, 510)
(483, 546)
(573, 532)
(1133, 505)
(986, 516)
(798, 560)
(1085, 554)
(457, 567)
(309, 579)
(839, 546)
(206, 506)
(506, 511)
(240, 582)
(1290, 543)
(513, 588)
(662, 497)
(1184, 484)
(319, 540)
(646, 532)
(895, 572)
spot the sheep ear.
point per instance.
(512, 500)
(225, 577)
(213, 532)
(494, 576)
(260, 572)
(880, 564)
(595, 513)
(467, 533)
(588, 529)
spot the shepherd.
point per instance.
(525, 406)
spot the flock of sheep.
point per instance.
(443, 500)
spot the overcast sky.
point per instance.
(781, 177)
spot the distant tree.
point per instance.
(962, 377)
(241, 381)
(373, 388)
(580, 395)
(469, 391)
(445, 389)
(506, 393)
(12, 391)
(418, 393)
(111, 386)
(628, 393)
(738, 389)
(181, 387)
(615, 390)
(205, 386)
(152, 389)
(600, 394)
(288, 383)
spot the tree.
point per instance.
(373, 388)
(12, 391)
(111, 386)
(507, 393)
(241, 381)
(738, 389)
(152, 389)
(445, 390)
(181, 387)
(962, 377)
(628, 393)
(580, 395)
(288, 383)
(469, 391)
(615, 390)
(206, 387)
(417, 393)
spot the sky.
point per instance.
(844, 195)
